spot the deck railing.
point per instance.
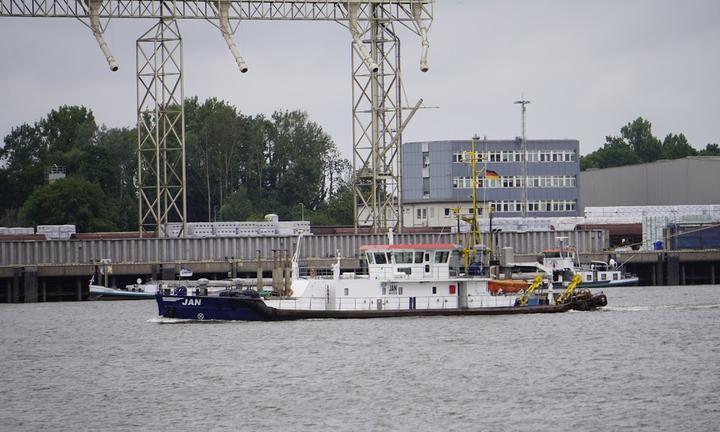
(390, 303)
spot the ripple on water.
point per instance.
(647, 362)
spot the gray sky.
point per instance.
(588, 68)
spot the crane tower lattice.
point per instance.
(377, 106)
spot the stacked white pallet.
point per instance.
(610, 220)
(303, 226)
(267, 228)
(653, 218)
(173, 229)
(246, 229)
(56, 232)
(21, 230)
(201, 229)
(293, 228)
(698, 218)
(286, 228)
(225, 229)
(51, 232)
(568, 223)
(638, 212)
(67, 231)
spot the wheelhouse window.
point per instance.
(370, 258)
(441, 256)
(381, 258)
(418, 257)
(403, 257)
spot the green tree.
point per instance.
(114, 167)
(237, 206)
(676, 147)
(72, 200)
(638, 134)
(710, 150)
(21, 165)
(68, 128)
(615, 152)
(214, 155)
(297, 150)
(340, 207)
(63, 137)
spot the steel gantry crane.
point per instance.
(377, 106)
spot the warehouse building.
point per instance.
(437, 180)
(694, 180)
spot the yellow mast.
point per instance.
(473, 158)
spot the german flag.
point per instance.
(492, 175)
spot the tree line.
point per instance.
(239, 167)
(636, 144)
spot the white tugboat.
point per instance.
(402, 280)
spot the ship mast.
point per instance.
(472, 157)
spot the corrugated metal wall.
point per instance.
(22, 253)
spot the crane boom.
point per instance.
(536, 283)
(570, 290)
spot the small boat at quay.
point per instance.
(130, 292)
(147, 290)
(401, 280)
(596, 274)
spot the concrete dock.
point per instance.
(60, 270)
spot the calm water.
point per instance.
(649, 361)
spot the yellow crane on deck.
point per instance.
(536, 283)
(566, 295)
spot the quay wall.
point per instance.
(171, 250)
(59, 270)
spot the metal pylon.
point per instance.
(161, 130)
(377, 116)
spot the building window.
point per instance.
(426, 187)
(447, 212)
(347, 291)
(426, 159)
(434, 290)
(422, 213)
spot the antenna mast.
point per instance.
(524, 102)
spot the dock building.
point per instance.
(689, 181)
(437, 179)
